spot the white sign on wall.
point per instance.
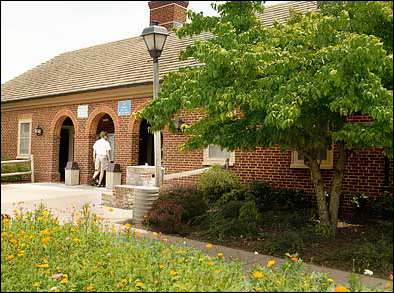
(83, 111)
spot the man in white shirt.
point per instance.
(101, 155)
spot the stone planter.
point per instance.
(71, 174)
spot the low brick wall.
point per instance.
(122, 197)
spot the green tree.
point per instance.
(292, 85)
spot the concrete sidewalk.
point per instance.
(63, 201)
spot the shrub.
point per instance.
(176, 207)
(287, 241)
(267, 198)
(249, 217)
(13, 168)
(382, 207)
(217, 182)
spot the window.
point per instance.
(214, 155)
(24, 139)
(326, 157)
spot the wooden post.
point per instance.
(32, 168)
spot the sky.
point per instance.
(33, 32)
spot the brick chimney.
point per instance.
(168, 13)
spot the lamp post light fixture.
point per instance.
(38, 130)
(155, 37)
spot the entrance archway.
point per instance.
(146, 145)
(146, 152)
(66, 146)
(106, 123)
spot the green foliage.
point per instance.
(375, 255)
(382, 207)
(323, 230)
(217, 182)
(250, 217)
(267, 198)
(286, 241)
(176, 207)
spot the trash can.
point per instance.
(113, 175)
(71, 174)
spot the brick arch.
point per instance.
(95, 116)
(54, 131)
(134, 124)
(58, 120)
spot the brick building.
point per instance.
(75, 95)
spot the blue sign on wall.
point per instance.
(124, 108)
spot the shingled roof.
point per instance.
(117, 64)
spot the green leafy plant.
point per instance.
(217, 182)
(382, 207)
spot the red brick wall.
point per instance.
(364, 170)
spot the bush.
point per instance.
(382, 207)
(286, 241)
(217, 182)
(267, 198)
(249, 217)
(176, 207)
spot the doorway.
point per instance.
(146, 153)
(66, 146)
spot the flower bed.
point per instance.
(38, 254)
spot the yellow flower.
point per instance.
(111, 210)
(220, 255)
(124, 281)
(138, 284)
(36, 284)
(165, 239)
(277, 282)
(45, 213)
(154, 233)
(78, 220)
(167, 250)
(217, 271)
(340, 289)
(173, 273)
(209, 245)
(270, 263)
(10, 257)
(89, 288)
(180, 251)
(45, 240)
(257, 275)
(3, 234)
(161, 266)
(330, 280)
(41, 266)
(21, 253)
(76, 240)
(64, 281)
(210, 263)
(14, 211)
(6, 220)
(44, 232)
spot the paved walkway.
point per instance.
(64, 200)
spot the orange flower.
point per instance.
(340, 289)
(210, 263)
(89, 288)
(173, 273)
(10, 257)
(388, 284)
(294, 259)
(45, 240)
(391, 277)
(209, 245)
(44, 232)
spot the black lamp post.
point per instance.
(155, 37)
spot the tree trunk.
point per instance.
(336, 186)
(318, 184)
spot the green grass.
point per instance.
(38, 254)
